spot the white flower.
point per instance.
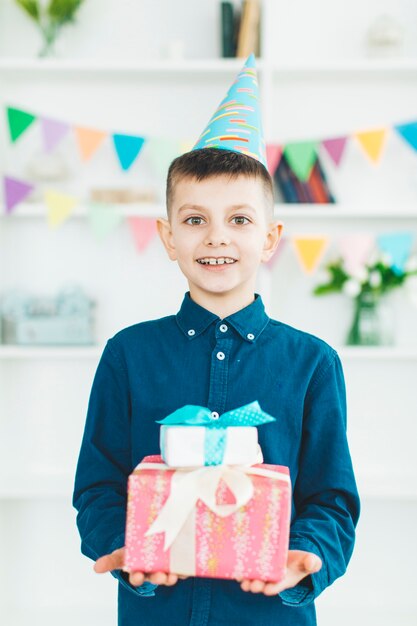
(411, 265)
(375, 279)
(360, 274)
(352, 288)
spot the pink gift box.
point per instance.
(251, 542)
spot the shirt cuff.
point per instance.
(145, 589)
(311, 586)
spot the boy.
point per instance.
(221, 350)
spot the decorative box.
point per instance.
(65, 319)
(194, 436)
(216, 522)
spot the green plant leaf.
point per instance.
(31, 7)
(63, 11)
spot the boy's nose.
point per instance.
(217, 238)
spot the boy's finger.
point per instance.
(158, 578)
(136, 578)
(109, 562)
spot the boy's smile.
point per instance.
(219, 233)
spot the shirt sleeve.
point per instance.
(326, 498)
(104, 465)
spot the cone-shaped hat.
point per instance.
(236, 124)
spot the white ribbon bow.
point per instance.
(201, 484)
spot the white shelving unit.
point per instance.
(44, 390)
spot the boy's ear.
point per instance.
(272, 240)
(165, 234)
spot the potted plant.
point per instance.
(367, 286)
(50, 17)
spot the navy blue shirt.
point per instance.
(149, 370)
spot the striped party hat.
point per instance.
(236, 124)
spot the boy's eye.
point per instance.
(195, 220)
(240, 218)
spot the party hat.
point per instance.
(236, 124)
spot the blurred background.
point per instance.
(97, 97)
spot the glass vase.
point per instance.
(372, 322)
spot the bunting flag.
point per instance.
(162, 152)
(127, 148)
(277, 254)
(52, 131)
(273, 157)
(59, 206)
(143, 230)
(409, 133)
(355, 249)
(335, 148)
(15, 191)
(398, 247)
(310, 251)
(19, 121)
(301, 157)
(88, 140)
(103, 219)
(372, 142)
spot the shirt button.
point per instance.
(223, 328)
(250, 336)
(191, 332)
(220, 356)
(214, 415)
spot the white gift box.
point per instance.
(186, 446)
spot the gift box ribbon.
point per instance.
(216, 434)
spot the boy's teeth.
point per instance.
(219, 261)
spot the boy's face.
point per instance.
(223, 221)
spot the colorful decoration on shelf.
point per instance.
(50, 18)
(366, 274)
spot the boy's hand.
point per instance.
(299, 565)
(115, 560)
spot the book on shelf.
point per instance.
(293, 190)
(248, 34)
(240, 24)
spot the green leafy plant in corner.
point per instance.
(50, 18)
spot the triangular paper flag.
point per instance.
(59, 207)
(143, 230)
(273, 157)
(103, 219)
(161, 153)
(372, 142)
(15, 191)
(127, 148)
(53, 131)
(236, 124)
(409, 133)
(301, 157)
(310, 250)
(88, 140)
(277, 254)
(355, 250)
(19, 121)
(398, 247)
(335, 148)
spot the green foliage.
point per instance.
(31, 7)
(63, 11)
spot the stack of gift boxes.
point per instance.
(208, 506)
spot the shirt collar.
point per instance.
(249, 322)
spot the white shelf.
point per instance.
(11, 352)
(101, 67)
(365, 66)
(284, 210)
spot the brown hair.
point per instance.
(210, 162)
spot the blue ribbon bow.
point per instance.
(216, 434)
